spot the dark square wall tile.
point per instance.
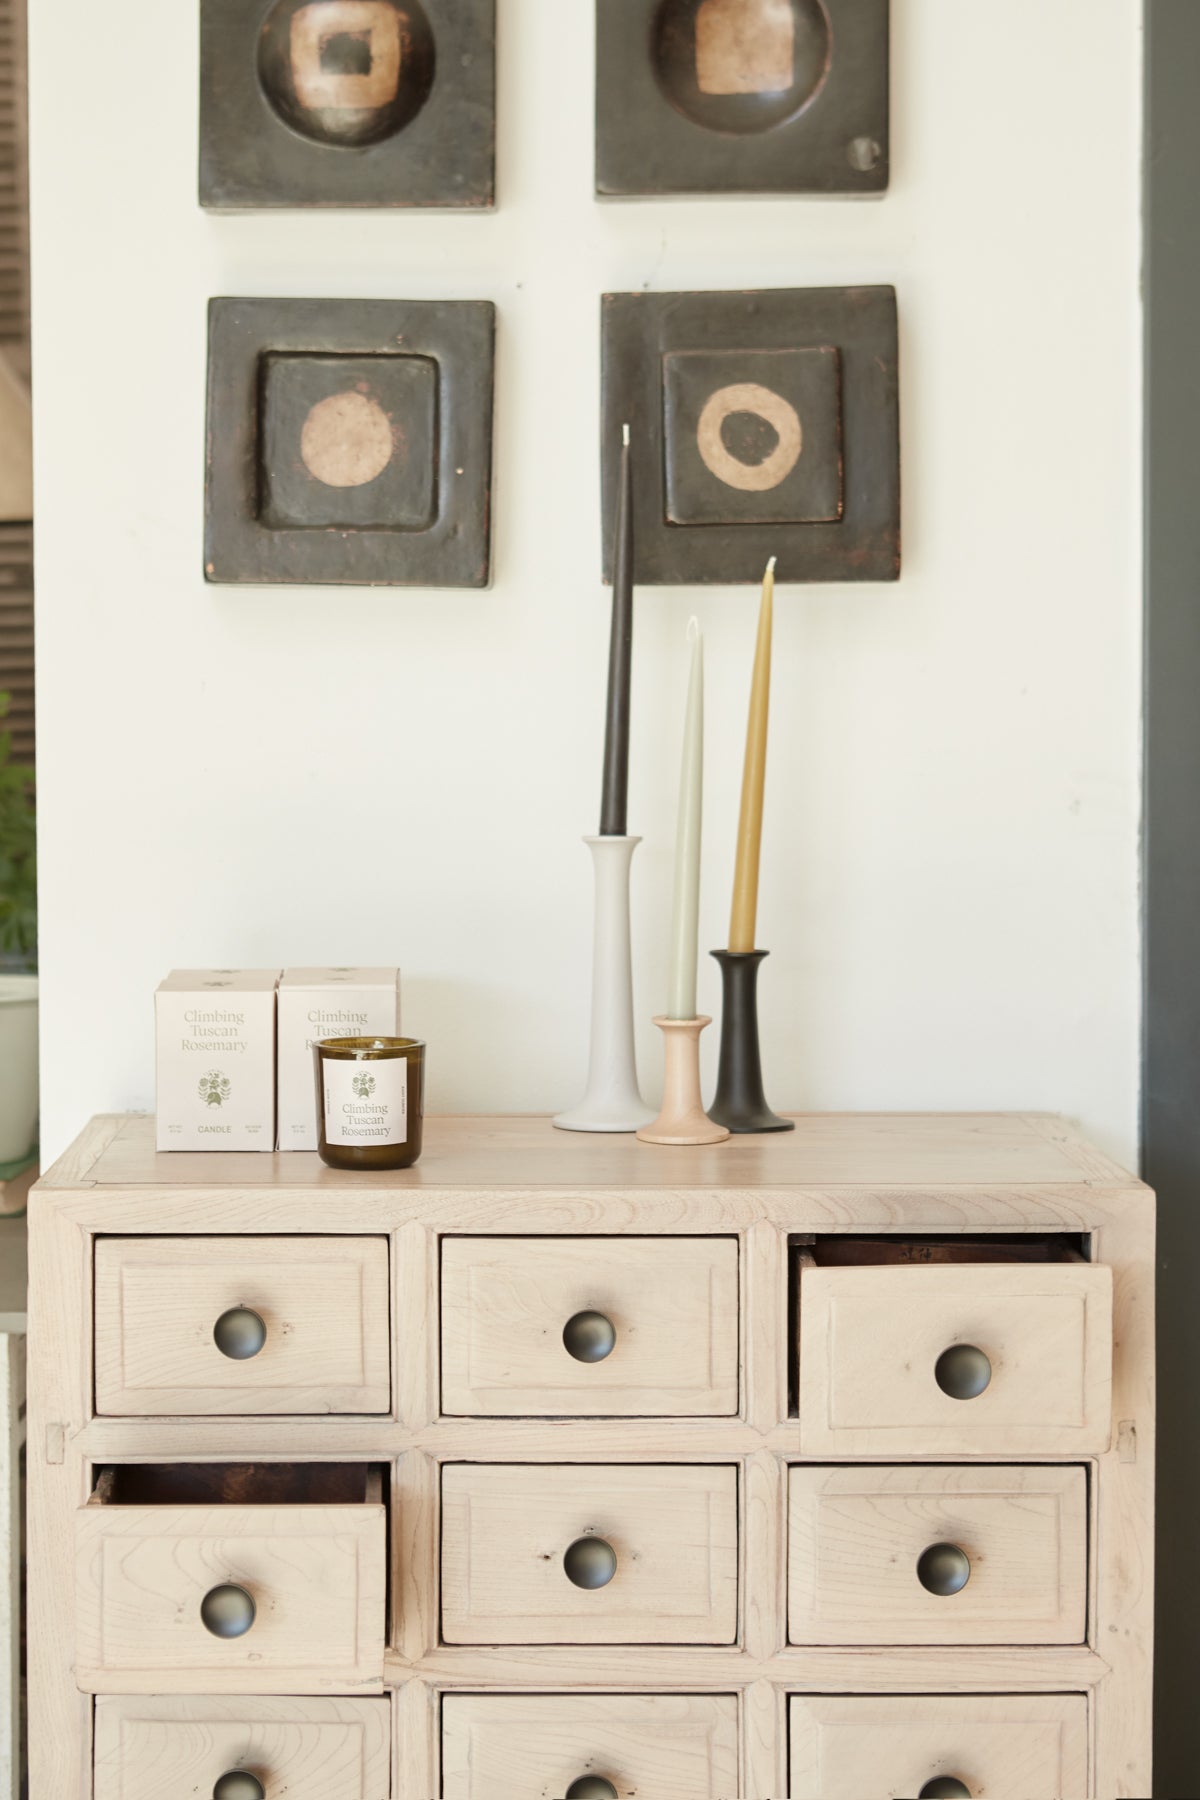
(741, 97)
(763, 424)
(308, 103)
(350, 441)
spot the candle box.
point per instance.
(325, 1003)
(216, 1059)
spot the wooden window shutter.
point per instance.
(16, 502)
(16, 635)
(14, 188)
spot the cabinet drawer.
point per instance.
(589, 1554)
(298, 1749)
(937, 1556)
(538, 1746)
(161, 1589)
(589, 1326)
(176, 1327)
(876, 1379)
(1004, 1746)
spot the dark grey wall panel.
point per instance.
(1171, 1091)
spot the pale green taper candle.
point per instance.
(685, 919)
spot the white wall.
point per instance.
(950, 867)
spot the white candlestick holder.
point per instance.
(612, 1100)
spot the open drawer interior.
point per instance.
(884, 1252)
(239, 1484)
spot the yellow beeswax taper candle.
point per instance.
(749, 840)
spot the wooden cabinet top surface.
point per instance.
(927, 1150)
(969, 1171)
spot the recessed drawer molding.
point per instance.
(1003, 1359)
(265, 1325)
(937, 1555)
(186, 1597)
(1004, 1746)
(147, 1749)
(547, 1746)
(583, 1327)
(589, 1554)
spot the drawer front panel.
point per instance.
(301, 1749)
(870, 1340)
(1007, 1747)
(322, 1301)
(507, 1530)
(316, 1575)
(535, 1747)
(1011, 1567)
(671, 1303)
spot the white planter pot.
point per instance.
(18, 1066)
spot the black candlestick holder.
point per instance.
(740, 1103)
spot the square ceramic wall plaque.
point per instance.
(307, 103)
(763, 424)
(741, 97)
(349, 441)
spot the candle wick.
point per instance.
(625, 435)
(693, 630)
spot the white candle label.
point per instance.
(366, 1102)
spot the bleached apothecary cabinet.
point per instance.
(816, 1465)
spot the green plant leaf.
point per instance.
(18, 853)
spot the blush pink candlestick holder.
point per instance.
(683, 1119)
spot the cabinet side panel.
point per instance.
(60, 1718)
(1125, 1531)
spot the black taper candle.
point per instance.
(614, 800)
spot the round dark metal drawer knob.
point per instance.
(592, 1787)
(239, 1334)
(962, 1372)
(943, 1569)
(945, 1787)
(590, 1562)
(589, 1337)
(228, 1611)
(239, 1784)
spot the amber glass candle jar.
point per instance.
(370, 1101)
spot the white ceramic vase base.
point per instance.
(612, 1100)
(683, 1120)
(19, 1067)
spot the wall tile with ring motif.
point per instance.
(763, 424)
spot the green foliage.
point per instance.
(18, 862)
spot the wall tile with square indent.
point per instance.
(347, 103)
(741, 97)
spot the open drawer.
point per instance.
(926, 1348)
(232, 1579)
